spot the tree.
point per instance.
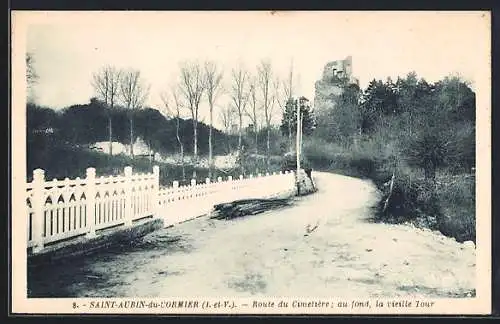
(441, 130)
(284, 99)
(106, 83)
(289, 120)
(379, 100)
(150, 123)
(425, 133)
(226, 116)
(213, 79)
(31, 75)
(347, 125)
(265, 83)
(406, 98)
(252, 113)
(239, 98)
(192, 87)
(455, 95)
(84, 124)
(175, 112)
(133, 93)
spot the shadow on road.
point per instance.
(65, 277)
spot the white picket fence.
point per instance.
(65, 209)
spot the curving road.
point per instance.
(273, 254)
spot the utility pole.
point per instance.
(301, 133)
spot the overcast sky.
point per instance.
(69, 47)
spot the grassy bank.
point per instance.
(447, 205)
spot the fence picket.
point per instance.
(64, 209)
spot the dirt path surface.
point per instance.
(276, 254)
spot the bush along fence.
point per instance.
(60, 210)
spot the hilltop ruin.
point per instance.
(336, 76)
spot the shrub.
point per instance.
(457, 200)
(324, 155)
(411, 200)
(374, 158)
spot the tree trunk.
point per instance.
(181, 148)
(386, 204)
(110, 127)
(255, 128)
(195, 140)
(228, 144)
(195, 148)
(210, 144)
(256, 141)
(240, 134)
(182, 163)
(132, 137)
(149, 153)
(268, 145)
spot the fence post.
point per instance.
(175, 185)
(156, 192)
(193, 190)
(129, 211)
(206, 190)
(284, 180)
(292, 185)
(240, 192)
(209, 197)
(229, 188)
(255, 188)
(218, 191)
(90, 195)
(38, 213)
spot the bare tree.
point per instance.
(226, 116)
(192, 88)
(133, 93)
(106, 83)
(252, 112)
(239, 98)
(213, 79)
(31, 75)
(266, 86)
(283, 97)
(173, 106)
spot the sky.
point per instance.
(69, 46)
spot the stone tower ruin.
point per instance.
(336, 76)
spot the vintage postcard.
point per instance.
(251, 162)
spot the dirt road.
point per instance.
(273, 254)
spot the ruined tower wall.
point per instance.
(336, 75)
